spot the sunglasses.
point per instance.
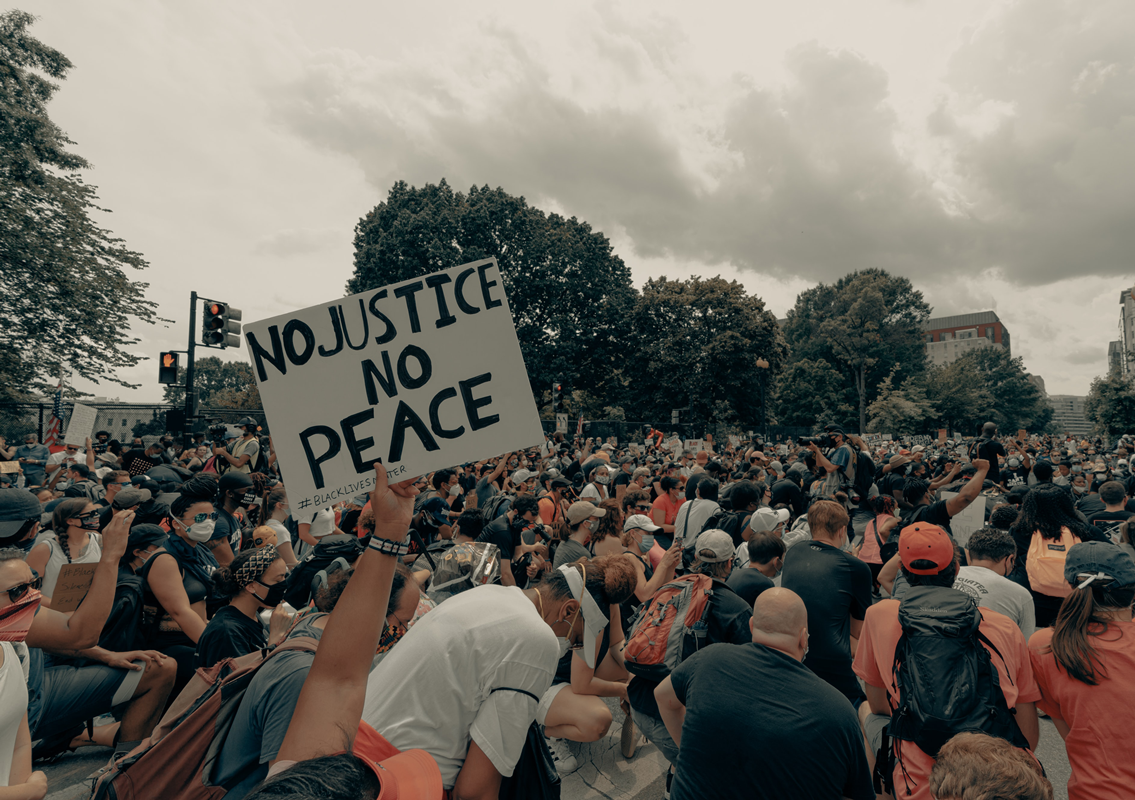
(19, 590)
(643, 507)
(199, 518)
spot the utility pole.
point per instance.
(190, 405)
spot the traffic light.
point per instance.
(222, 325)
(167, 368)
(557, 397)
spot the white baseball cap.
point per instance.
(635, 521)
(766, 519)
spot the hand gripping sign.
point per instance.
(423, 374)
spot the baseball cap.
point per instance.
(579, 511)
(520, 476)
(437, 510)
(627, 460)
(607, 447)
(917, 449)
(560, 482)
(406, 775)
(766, 519)
(925, 542)
(716, 541)
(234, 480)
(17, 506)
(128, 498)
(635, 521)
(145, 535)
(1105, 562)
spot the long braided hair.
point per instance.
(68, 509)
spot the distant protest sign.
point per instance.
(81, 425)
(423, 374)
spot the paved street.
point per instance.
(603, 773)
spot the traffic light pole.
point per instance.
(186, 434)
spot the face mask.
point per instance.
(390, 637)
(200, 531)
(1076, 469)
(1014, 463)
(646, 543)
(602, 479)
(248, 498)
(91, 524)
(275, 594)
(1079, 489)
(564, 644)
(16, 619)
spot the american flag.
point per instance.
(579, 427)
(55, 426)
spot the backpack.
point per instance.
(123, 629)
(498, 505)
(1044, 563)
(732, 522)
(178, 760)
(946, 679)
(670, 628)
(888, 549)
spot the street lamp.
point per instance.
(762, 366)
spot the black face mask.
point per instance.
(275, 594)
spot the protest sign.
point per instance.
(422, 374)
(1022, 434)
(9, 467)
(734, 441)
(673, 443)
(941, 436)
(81, 425)
(72, 585)
(694, 444)
(971, 519)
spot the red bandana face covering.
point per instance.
(16, 619)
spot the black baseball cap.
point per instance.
(1102, 562)
(17, 506)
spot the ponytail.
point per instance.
(1080, 618)
(610, 580)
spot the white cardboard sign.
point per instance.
(422, 374)
(81, 425)
(971, 519)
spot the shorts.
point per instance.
(73, 695)
(547, 700)
(654, 729)
(874, 729)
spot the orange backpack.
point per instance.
(1044, 563)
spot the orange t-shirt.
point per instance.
(669, 506)
(875, 658)
(550, 511)
(1098, 744)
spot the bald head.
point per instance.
(780, 621)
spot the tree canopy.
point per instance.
(66, 285)
(220, 384)
(1110, 405)
(570, 294)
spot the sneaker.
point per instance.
(669, 780)
(629, 741)
(565, 762)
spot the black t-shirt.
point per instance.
(834, 586)
(499, 532)
(728, 622)
(892, 482)
(748, 583)
(934, 514)
(1015, 477)
(1089, 504)
(760, 726)
(229, 634)
(622, 478)
(990, 449)
(1108, 522)
(785, 491)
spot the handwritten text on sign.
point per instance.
(423, 374)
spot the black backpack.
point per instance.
(732, 522)
(888, 549)
(123, 629)
(946, 680)
(498, 505)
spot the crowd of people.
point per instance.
(814, 618)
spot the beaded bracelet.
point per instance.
(389, 548)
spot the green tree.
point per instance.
(569, 293)
(810, 394)
(65, 286)
(900, 409)
(698, 352)
(219, 384)
(1110, 405)
(988, 384)
(961, 398)
(156, 426)
(867, 325)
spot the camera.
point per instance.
(823, 441)
(217, 434)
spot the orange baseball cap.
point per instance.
(925, 542)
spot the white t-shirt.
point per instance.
(55, 561)
(591, 492)
(994, 591)
(434, 691)
(696, 511)
(13, 707)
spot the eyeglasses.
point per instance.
(19, 590)
(199, 518)
(87, 516)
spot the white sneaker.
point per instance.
(566, 763)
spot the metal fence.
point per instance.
(122, 421)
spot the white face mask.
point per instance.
(602, 479)
(564, 644)
(200, 531)
(646, 543)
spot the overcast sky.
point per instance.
(983, 149)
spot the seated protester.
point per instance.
(432, 522)
(744, 499)
(226, 539)
(1003, 516)
(81, 484)
(330, 547)
(879, 531)
(63, 696)
(798, 739)
(276, 512)
(1046, 529)
(917, 493)
(990, 556)
(571, 708)
(701, 503)
(254, 580)
(327, 751)
(1114, 497)
(978, 765)
(112, 483)
(554, 504)
(177, 580)
(1083, 666)
(665, 509)
(479, 661)
(763, 520)
(636, 540)
(727, 621)
(597, 480)
(141, 459)
(929, 561)
(574, 535)
(505, 533)
(16, 776)
(75, 540)
(764, 559)
(836, 589)
(407, 605)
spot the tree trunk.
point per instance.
(861, 388)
